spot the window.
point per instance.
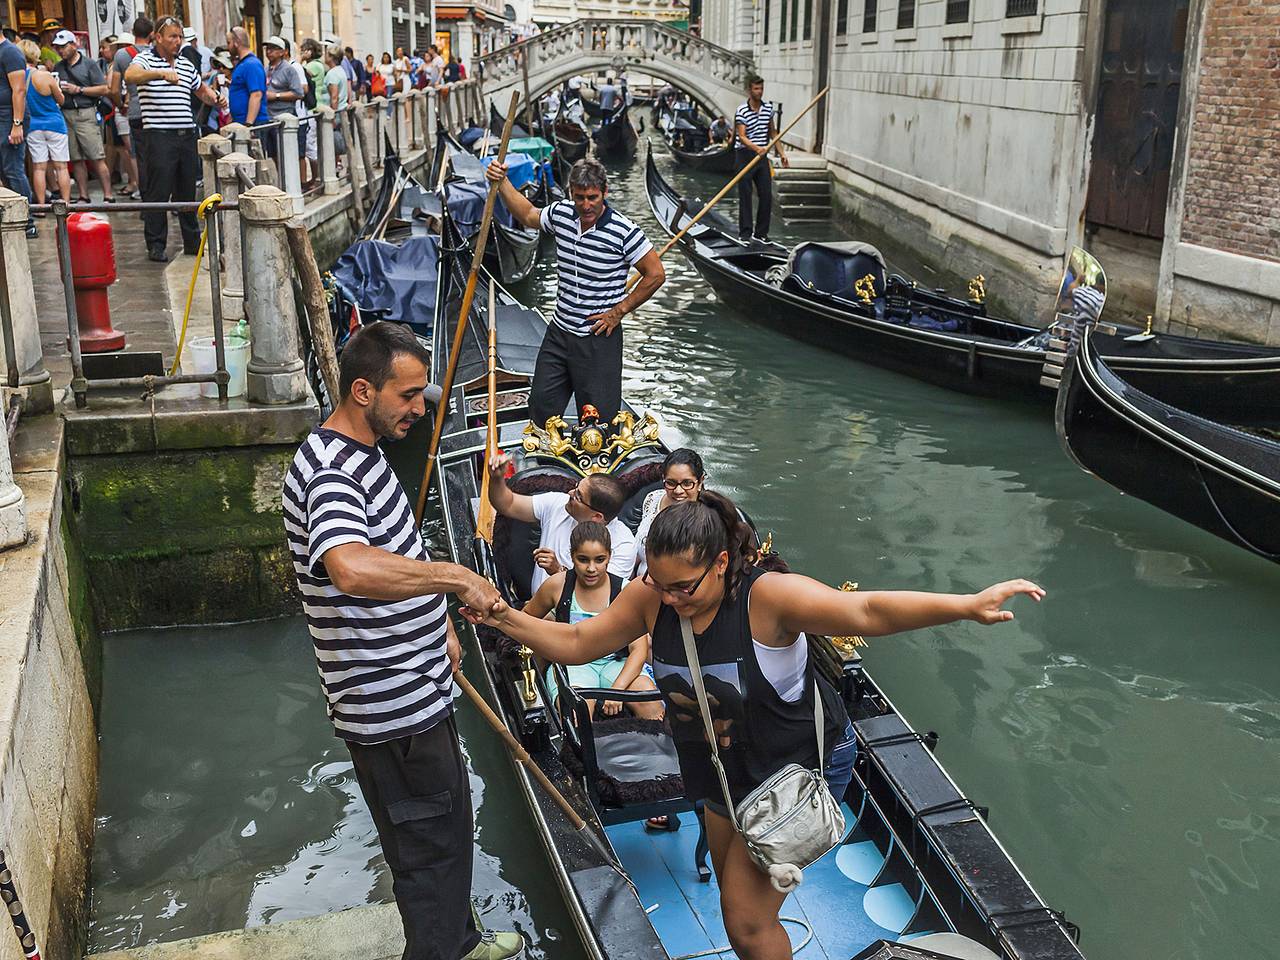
(957, 11)
(869, 16)
(1021, 8)
(907, 14)
(795, 21)
(808, 19)
(842, 17)
(764, 27)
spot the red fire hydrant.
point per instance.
(93, 269)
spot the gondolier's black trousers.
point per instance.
(420, 796)
(589, 368)
(762, 180)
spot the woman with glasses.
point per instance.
(682, 479)
(748, 626)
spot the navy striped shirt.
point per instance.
(756, 121)
(383, 664)
(165, 105)
(592, 266)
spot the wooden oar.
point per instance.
(520, 753)
(484, 522)
(468, 294)
(732, 183)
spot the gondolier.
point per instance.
(596, 246)
(376, 608)
(755, 124)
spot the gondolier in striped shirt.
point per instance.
(755, 124)
(596, 247)
(376, 608)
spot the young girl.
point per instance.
(578, 594)
(682, 479)
(748, 626)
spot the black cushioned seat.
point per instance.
(834, 268)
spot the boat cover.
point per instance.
(522, 169)
(834, 268)
(389, 281)
(466, 207)
(535, 147)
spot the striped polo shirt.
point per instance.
(756, 121)
(592, 266)
(383, 664)
(165, 105)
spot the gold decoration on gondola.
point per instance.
(592, 445)
(848, 645)
(978, 289)
(766, 548)
(866, 289)
(530, 692)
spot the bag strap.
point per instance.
(695, 671)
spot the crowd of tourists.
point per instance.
(130, 117)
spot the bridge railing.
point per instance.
(632, 42)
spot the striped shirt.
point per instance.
(383, 664)
(756, 122)
(592, 266)
(165, 105)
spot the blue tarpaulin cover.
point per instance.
(390, 281)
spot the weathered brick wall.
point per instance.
(1233, 177)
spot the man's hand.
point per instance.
(493, 615)
(170, 76)
(546, 559)
(15, 135)
(453, 648)
(607, 322)
(478, 592)
(495, 172)
(985, 607)
(498, 464)
(786, 161)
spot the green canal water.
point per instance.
(1125, 733)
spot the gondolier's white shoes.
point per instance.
(497, 945)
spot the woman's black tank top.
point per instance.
(760, 733)
(566, 599)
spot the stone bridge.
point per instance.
(712, 75)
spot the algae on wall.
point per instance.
(187, 536)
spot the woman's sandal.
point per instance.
(671, 822)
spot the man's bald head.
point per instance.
(238, 41)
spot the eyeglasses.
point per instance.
(678, 591)
(576, 495)
(685, 485)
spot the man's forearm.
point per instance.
(251, 111)
(645, 289)
(380, 575)
(19, 103)
(97, 90)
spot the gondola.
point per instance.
(615, 136)
(918, 862)
(497, 121)
(841, 296)
(1222, 478)
(688, 137)
(713, 158)
(512, 250)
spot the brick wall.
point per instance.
(1233, 174)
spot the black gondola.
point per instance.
(919, 860)
(512, 250)
(1221, 478)
(615, 136)
(688, 136)
(713, 158)
(845, 299)
(497, 121)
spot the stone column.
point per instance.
(22, 307)
(325, 149)
(275, 373)
(212, 147)
(288, 169)
(13, 506)
(378, 121)
(415, 131)
(241, 137)
(232, 247)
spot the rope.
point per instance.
(208, 202)
(808, 935)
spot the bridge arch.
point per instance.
(712, 75)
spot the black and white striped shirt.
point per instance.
(384, 665)
(756, 121)
(165, 105)
(592, 266)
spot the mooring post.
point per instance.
(275, 373)
(415, 131)
(211, 148)
(326, 147)
(15, 278)
(229, 169)
(289, 169)
(13, 505)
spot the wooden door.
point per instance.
(1137, 114)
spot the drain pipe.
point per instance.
(9, 894)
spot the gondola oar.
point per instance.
(520, 753)
(484, 522)
(468, 294)
(21, 927)
(733, 183)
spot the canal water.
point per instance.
(1125, 733)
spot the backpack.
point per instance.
(309, 95)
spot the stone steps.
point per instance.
(804, 188)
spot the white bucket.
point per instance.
(205, 357)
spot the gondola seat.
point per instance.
(832, 269)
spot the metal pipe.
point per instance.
(214, 244)
(6, 320)
(79, 386)
(121, 206)
(153, 380)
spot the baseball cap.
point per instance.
(276, 40)
(52, 23)
(63, 37)
(188, 33)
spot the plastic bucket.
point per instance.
(205, 357)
